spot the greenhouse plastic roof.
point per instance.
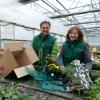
(84, 13)
(62, 13)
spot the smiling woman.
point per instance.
(74, 48)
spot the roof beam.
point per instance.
(90, 28)
(72, 8)
(26, 27)
(77, 13)
(27, 1)
(83, 23)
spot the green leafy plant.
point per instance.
(12, 92)
(95, 74)
(54, 68)
(96, 65)
(94, 91)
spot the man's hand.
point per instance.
(53, 59)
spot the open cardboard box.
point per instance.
(16, 58)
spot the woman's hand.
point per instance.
(87, 70)
(62, 69)
(2, 49)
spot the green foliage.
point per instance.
(54, 68)
(70, 71)
(95, 74)
(94, 91)
(96, 65)
(11, 92)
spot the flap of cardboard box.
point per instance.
(8, 62)
(31, 55)
(21, 72)
(14, 46)
(17, 47)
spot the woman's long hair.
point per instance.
(80, 34)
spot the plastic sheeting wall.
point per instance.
(16, 33)
(23, 34)
(7, 32)
(25, 16)
(94, 40)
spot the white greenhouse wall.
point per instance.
(25, 16)
(94, 40)
(7, 32)
(23, 34)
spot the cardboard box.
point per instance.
(16, 58)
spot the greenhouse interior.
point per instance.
(49, 50)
